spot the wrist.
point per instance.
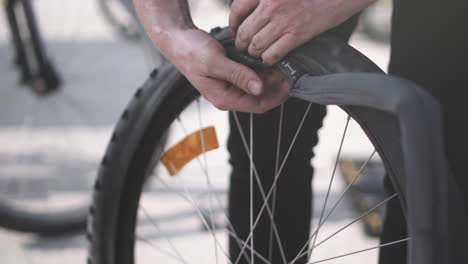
(168, 33)
(167, 37)
(173, 43)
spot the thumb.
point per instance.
(238, 75)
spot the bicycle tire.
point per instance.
(165, 94)
(66, 221)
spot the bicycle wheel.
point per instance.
(117, 15)
(52, 139)
(135, 217)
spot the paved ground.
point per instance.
(102, 71)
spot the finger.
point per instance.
(230, 98)
(276, 93)
(263, 39)
(280, 49)
(249, 27)
(271, 77)
(234, 99)
(267, 101)
(237, 74)
(240, 9)
(274, 98)
(227, 97)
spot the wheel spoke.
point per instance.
(177, 252)
(259, 256)
(273, 206)
(211, 228)
(359, 218)
(331, 182)
(251, 188)
(208, 181)
(189, 198)
(334, 206)
(162, 250)
(275, 180)
(352, 222)
(362, 250)
(230, 226)
(262, 192)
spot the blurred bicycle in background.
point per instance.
(59, 69)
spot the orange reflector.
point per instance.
(189, 148)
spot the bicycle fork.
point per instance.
(36, 70)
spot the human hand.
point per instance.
(201, 58)
(272, 28)
(228, 85)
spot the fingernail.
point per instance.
(254, 86)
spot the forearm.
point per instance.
(163, 19)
